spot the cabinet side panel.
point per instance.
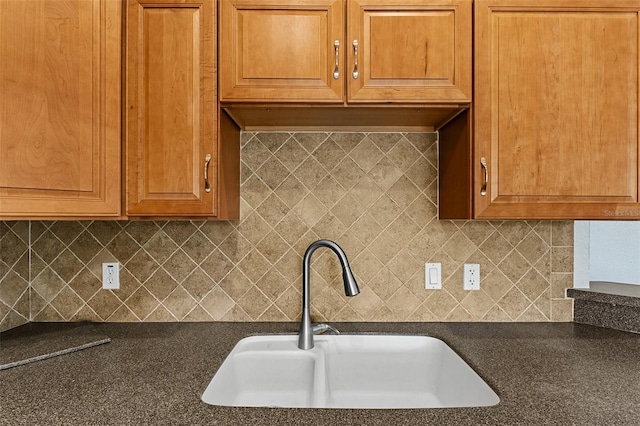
(228, 168)
(454, 168)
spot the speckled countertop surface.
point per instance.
(605, 292)
(154, 374)
(36, 341)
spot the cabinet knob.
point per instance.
(336, 70)
(355, 72)
(207, 160)
(485, 169)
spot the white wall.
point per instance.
(606, 251)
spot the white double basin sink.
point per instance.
(347, 371)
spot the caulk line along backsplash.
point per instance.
(374, 194)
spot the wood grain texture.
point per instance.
(280, 50)
(171, 108)
(228, 168)
(60, 108)
(425, 118)
(455, 183)
(410, 51)
(556, 108)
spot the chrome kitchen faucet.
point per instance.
(305, 340)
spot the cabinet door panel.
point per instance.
(262, 32)
(561, 115)
(171, 108)
(280, 50)
(557, 107)
(410, 51)
(60, 108)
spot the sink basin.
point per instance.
(347, 371)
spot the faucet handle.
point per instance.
(319, 328)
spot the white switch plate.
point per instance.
(111, 276)
(433, 276)
(471, 276)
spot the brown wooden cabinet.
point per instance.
(60, 108)
(556, 110)
(175, 164)
(280, 50)
(409, 51)
(332, 51)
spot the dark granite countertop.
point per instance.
(154, 374)
(606, 304)
(36, 341)
(607, 292)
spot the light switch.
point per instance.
(433, 276)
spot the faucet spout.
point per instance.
(305, 339)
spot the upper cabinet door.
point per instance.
(60, 108)
(409, 50)
(171, 108)
(556, 109)
(281, 49)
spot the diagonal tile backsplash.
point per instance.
(14, 274)
(374, 194)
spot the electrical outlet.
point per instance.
(471, 278)
(111, 276)
(432, 276)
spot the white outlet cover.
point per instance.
(471, 276)
(111, 275)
